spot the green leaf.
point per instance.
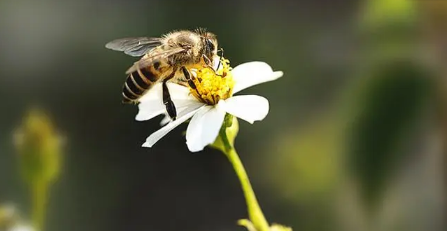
(386, 110)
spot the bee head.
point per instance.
(209, 41)
(210, 44)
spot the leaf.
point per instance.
(385, 114)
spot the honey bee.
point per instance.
(164, 59)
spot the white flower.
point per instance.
(10, 219)
(21, 227)
(207, 118)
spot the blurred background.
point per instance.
(355, 139)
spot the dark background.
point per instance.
(354, 139)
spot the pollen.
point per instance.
(213, 85)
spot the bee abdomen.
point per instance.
(137, 83)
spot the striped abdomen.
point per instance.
(140, 81)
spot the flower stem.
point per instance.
(254, 210)
(39, 201)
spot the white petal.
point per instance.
(204, 128)
(178, 92)
(151, 104)
(21, 227)
(252, 73)
(165, 120)
(149, 110)
(156, 136)
(184, 108)
(154, 94)
(250, 108)
(183, 100)
(216, 63)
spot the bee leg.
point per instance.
(218, 65)
(190, 81)
(188, 78)
(170, 107)
(222, 51)
(209, 64)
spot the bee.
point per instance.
(164, 59)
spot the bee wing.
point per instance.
(154, 56)
(138, 46)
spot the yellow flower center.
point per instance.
(212, 85)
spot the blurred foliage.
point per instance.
(310, 158)
(387, 106)
(388, 30)
(381, 14)
(305, 168)
(371, 125)
(394, 87)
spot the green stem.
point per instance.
(254, 210)
(39, 201)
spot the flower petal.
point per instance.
(183, 109)
(247, 107)
(151, 104)
(216, 63)
(166, 119)
(179, 92)
(204, 128)
(21, 227)
(252, 73)
(154, 137)
(155, 93)
(147, 111)
(183, 100)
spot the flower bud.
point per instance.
(274, 227)
(38, 148)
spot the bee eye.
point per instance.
(210, 45)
